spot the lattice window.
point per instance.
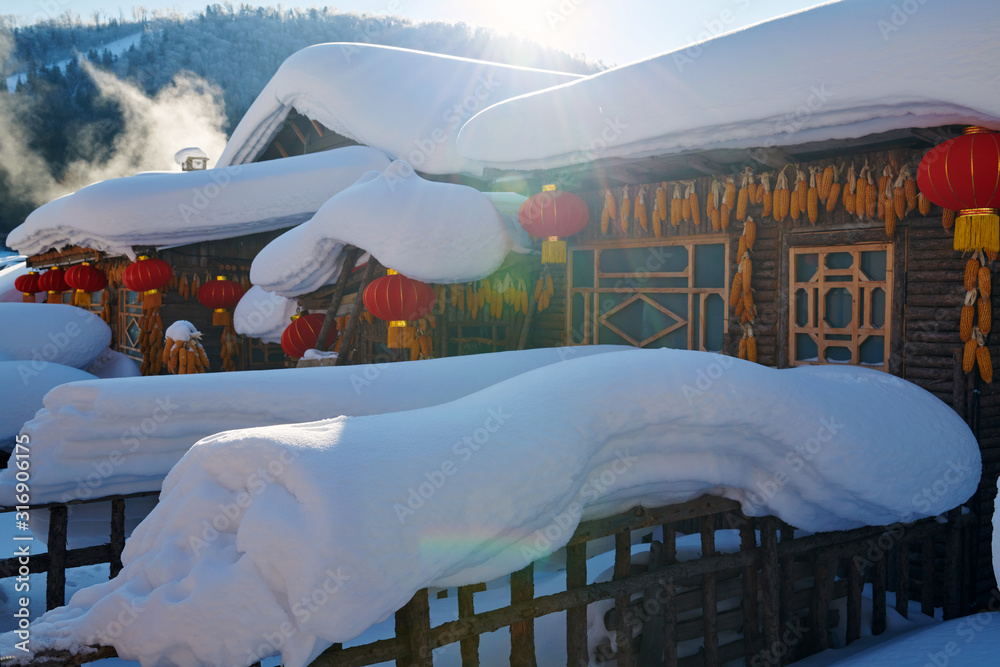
(129, 312)
(841, 300)
(649, 293)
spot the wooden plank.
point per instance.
(751, 621)
(953, 565)
(820, 607)
(927, 578)
(903, 578)
(855, 584)
(522, 633)
(651, 646)
(769, 580)
(466, 609)
(879, 572)
(117, 535)
(55, 584)
(415, 619)
(670, 595)
(623, 627)
(576, 617)
(641, 517)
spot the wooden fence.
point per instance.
(772, 602)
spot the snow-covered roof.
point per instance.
(409, 104)
(430, 231)
(840, 70)
(169, 208)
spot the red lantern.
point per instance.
(551, 214)
(28, 285)
(221, 295)
(302, 333)
(147, 276)
(85, 279)
(399, 300)
(963, 174)
(53, 281)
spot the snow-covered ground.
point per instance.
(371, 509)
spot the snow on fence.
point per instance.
(796, 584)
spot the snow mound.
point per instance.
(936, 66)
(409, 104)
(168, 208)
(22, 387)
(264, 315)
(429, 231)
(42, 333)
(146, 424)
(192, 151)
(113, 364)
(182, 330)
(368, 510)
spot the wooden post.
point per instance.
(670, 595)
(770, 580)
(55, 585)
(709, 594)
(953, 565)
(879, 574)
(927, 574)
(623, 627)
(576, 617)
(855, 583)
(413, 626)
(117, 535)
(903, 579)
(352, 323)
(958, 385)
(821, 603)
(522, 633)
(466, 609)
(751, 620)
(351, 255)
(651, 648)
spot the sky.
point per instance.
(615, 32)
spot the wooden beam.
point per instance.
(359, 304)
(351, 254)
(318, 128)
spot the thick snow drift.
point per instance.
(113, 364)
(435, 232)
(168, 208)
(409, 104)
(264, 315)
(368, 510)
(41, 333)
(873, 67)
(144, 425)
(22, 387)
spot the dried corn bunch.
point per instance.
(712, 201)
(730, 195)
(626, 210)
(885, 191)
(657, 229)
(985, 364)
(984, 282)
(692, 197)
(781, 197)
(150, 341)
(640, 208)
(991, 255)
(825, 183)
(755, 192)
(184, 357)
(795, 205)
(801, 186)
(972, 267)
(850, 190)
(496, 307)
(923, 204)
(947, 218)
(812, 198)
(764, 194)
(749, 343)
(677, 206)
(889, 210)
(736, 293)
(544, 289)
(686, 212)
(230, 348)
(743, 197)
(742, 249)
(748, 306)
(966, 322)
(440, 292)
(473, 299)
(861, 206)
(609, 212)
(833, 195)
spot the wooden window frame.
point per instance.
(859, 328)
(592, 322)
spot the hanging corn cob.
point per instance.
(676, 206)
(730, 196)
(741, 294)
(660, 210)
(795, 204)
(186, 354)
(977, 317)
(872, 197)
(909, 186)
(712, 201)
(782, 198)
(825, 183)
(833, 196)
(626, 209)
(923, 204)
(850, 190)
(812, 197)
(640, 208)
(947, 218)
(889, 209)
(692, 197)
(743, 197)
(765, 196)
(884, 191)
(608, 213)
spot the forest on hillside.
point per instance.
(57, 117)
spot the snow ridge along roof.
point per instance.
(169, 208)
(839, 70)
(407, 103)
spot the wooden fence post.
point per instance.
(413, 626)
(466, 609)
(55, 584)
(522, 633)
(576, 617)
(117, 535)
(623, 627)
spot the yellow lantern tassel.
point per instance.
(977, 229)
(81, 298)
(553, 251)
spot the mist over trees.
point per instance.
(57, 116)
